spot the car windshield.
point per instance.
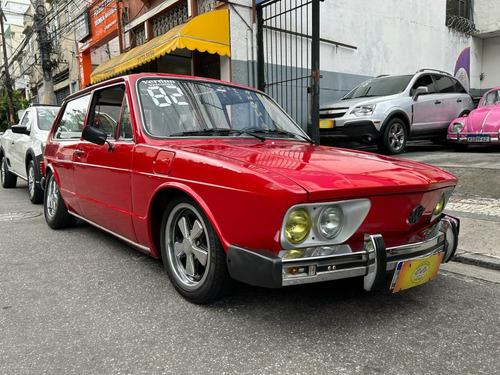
(173, 108)
(46, 117)
(380, 87)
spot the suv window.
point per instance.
(71, 124)
(423, 81)
(380, 87)
(444, 84)
(458, 86)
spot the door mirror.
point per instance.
(94, 135)
(20, 129)
(421, 90)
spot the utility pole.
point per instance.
(8, 84)
(47, 96)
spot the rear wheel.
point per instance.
(34, 191)
(394, 137)
(192, 253)
(8, 179)
(56, 213)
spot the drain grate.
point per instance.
(11, 216)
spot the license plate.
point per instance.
(478, 138)
(415, 272)
(326, 124)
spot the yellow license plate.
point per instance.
(326, 124)
(415, 272)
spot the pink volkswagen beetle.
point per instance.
(481, 126)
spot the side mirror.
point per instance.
(94, 135)
(421, 90)
(20, 129)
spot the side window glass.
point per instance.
(444, 84)
(425, 81)
(125, 128)
(71, 124)
(27, 120)
(490, 98)
(106, 108)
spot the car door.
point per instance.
(19, 145)
(450, 102)
(102, 174)
(426, 108)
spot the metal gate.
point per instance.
(288, 58)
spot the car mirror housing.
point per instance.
(20, 129)
(421, 90)
(94, 135)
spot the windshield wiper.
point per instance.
(285, 133)
(218, 131)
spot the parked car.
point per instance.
(481, 126)
(21, 149)
(219, 182)
(390, 110)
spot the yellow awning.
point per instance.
(207, 32)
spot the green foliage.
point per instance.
(17, 101)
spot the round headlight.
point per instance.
(330, 222)
(439, 206)
(297, 225)
(457, 127)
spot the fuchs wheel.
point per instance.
(394, 137)
(56, 213)
(35, 193)
(192, 253)
(8, 179)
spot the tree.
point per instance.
(18, 103)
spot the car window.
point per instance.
(444, 84)
(423, 81)
(27, 120)
(458, 86)
(181, 107)
(106, 108)
(383, 86)
(46, 116)
(491, 97)
(125, 126)
(71, 124)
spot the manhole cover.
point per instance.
(10, 216)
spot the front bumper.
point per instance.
(464, 138)
(263, 268)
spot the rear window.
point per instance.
(46, 117)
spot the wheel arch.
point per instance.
(400, 115)
(159, 203)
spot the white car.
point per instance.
(21, 149)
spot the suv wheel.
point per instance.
(8, 179)
(394, 137)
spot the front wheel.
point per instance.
(192, 253)
(8, 179)
(34, 191)
(394, 137)
(56, 213)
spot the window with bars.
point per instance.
(139, 34)
(205, 6)
(459, 16)
(171, 18)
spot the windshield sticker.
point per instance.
(165, 93)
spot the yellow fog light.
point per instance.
(440, 206)
(294, 254)
(297, 226)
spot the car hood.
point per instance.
(490, 113)
(326, 172)
(349, 103)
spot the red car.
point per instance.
(219, 182)
(481, 126)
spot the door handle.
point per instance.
(459, 100)
(437, 102)
(78, 152)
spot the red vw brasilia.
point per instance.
(218, 181)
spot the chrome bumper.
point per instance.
(263, 268)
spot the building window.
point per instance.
(139, 34)
(205, 6)
(459, 16)
(171, 18)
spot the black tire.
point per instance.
(8, 179)
(56, 213)
(35, 193)
(192, 253)
(394, 137)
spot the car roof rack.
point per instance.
(382, 75)
(433, 70)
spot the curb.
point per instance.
(477, 260)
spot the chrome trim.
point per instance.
(126, 240)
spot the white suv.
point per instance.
(21, 149)
(389, 110)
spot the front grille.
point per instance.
(332, 115)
